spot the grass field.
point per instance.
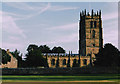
(64, 79)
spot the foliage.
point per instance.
(58, 50)
(34, 57)
(108, 56)
(18, 56)
(5, 57)
(44, 49)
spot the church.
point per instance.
(90, 42)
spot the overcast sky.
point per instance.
(52, 24)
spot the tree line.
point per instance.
(108, 56)
(33, 57)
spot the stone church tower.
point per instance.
(90, 34)
(90, 42)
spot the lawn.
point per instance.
(82, 77)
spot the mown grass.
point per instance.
(91, 77)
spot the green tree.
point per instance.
(58, 50)
(18, 56)
(34, 57)
(108, 56)
(44, 49)
(5, 57)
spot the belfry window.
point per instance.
(75, 61)
(93, 34)
(94, 24)
(91, 24)
(88, 54)
(64, 62)
(85, 62)
(53, 62)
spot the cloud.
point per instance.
(12, 46)
(65, 27)
(111, 37)
(38, 12)
(62, 8)
(9, 25)
(20, 5)
(35, 10)
(63, 39)
(110, 16)
(111, 33)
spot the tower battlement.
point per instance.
(85, 14)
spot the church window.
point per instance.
(64, 62)
(93, 34)
(75, 61)
(53, 62)
(94, 24)
(91, 24)
(88, 54)
(85, 62)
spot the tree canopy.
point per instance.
(108, 56)
(44, 49)
(58, 50)
(5, 57)
(34, 57)
(18, 56)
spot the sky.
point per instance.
(52, 24)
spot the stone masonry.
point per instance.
(12, 64)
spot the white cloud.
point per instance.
(20, 5)
(65, 27)
(63, 39)
(110, 16)
(111, 33)
(38, 12)
(35, 10)
(9, 26)
(111, 37)
(62, 8)
(12, 46)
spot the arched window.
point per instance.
(91, 24)
(85, 62)
(95, 24)
(75, 61)
(93, 34)
(75, 64)
(64, 62)
(88, 54)
(53, 62)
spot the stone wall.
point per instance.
(12, 64)
(61, 58)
